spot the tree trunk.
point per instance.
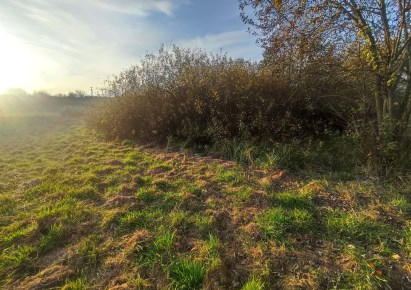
(379, 99)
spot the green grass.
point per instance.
(15, 256)
(164, 242)
(88, 252)
(52, 238)
(231, 176)
(212, 248)
(254, 284)
(92, 213)
(188, 274)
(407, 242)
(78, 284)
(139, 219)
(282, 224)
(353, 228)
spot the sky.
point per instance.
(64, 45)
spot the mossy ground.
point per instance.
(80, 212)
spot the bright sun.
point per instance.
(15, 63)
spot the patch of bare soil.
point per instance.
(58, 256)
(122, 200)
(258, 199)
(391, 216)
(400, 276)
(29, 184)
(130, 242)
(111, 271)
(115, 270)
(114, 162)
(50, 277)
(235, 266)
(331, 200)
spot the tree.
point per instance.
(305, 30)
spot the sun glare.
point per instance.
(15, 63)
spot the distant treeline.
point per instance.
(19, 102)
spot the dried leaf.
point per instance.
(277, 3)
(396, 257)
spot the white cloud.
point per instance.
(140, 8)
(238, 42)
(82, 41)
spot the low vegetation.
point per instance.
(233, 108)
(79, 212)
(204, 98)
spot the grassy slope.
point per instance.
(80, 212)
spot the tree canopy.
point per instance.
(376, 32)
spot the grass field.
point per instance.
(80, 212)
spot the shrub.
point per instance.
(206, 98)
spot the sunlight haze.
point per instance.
(15, 69)
(59, 46)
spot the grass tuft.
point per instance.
(353, 228)
(137, 219)
(15, 256)
(279, 223)
(78, 284)
(53, 238)
(254, 284)
(188, 274)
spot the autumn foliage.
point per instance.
(192, 95)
